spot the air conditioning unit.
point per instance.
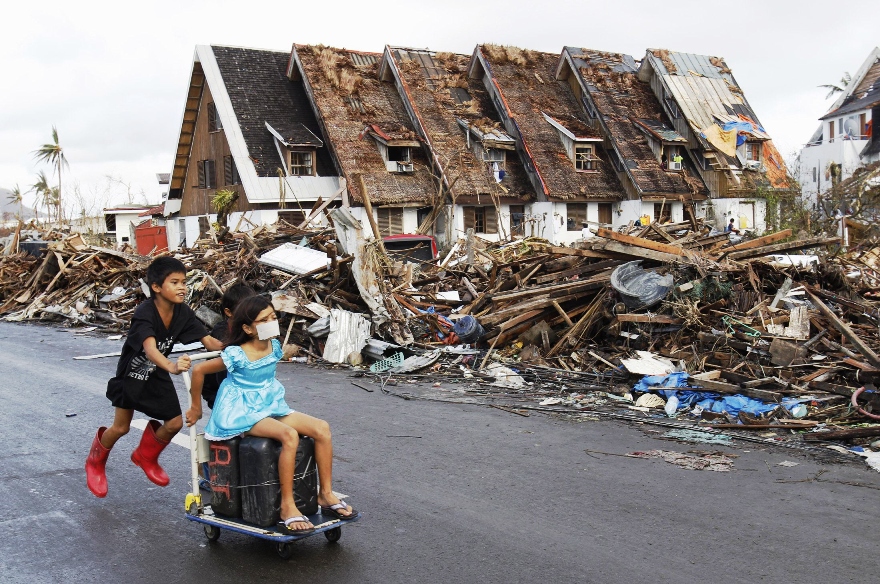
(675, 166)
(395, 166)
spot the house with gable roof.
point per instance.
(248, 128)
(484, 184)
(370, 135)
(565, 157)
(726, 142)
(648, 156)
(844, 139)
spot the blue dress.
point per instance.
(249, 393)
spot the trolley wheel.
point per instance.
(333, 535)
(212, 532)
(285, 550)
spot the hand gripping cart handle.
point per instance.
(194, 498)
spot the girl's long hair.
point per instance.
(245, 314)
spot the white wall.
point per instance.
(843, 152)
(125, 223)
(727, 209)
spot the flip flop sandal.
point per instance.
(334, 511)
(285, 525)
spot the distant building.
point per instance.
(844, 139)
(120, 222)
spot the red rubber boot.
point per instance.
(146, 455)
(96, 478)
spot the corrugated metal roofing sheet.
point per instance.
(364, 59)
(701, 97)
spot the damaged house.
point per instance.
(844, 140)
(565, 157)
(648, 156)
(505, 142)
(484, 185)
(728, 147)
(370, 135)
(249, 129)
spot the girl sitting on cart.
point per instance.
(251, 401)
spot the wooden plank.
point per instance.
(759, 241)
(561, 313)
(639, 241)
(780, 247)
(652, 318)
(586, 253)
(648, 254)
(844, 329)
(594, 267)
(842, 434)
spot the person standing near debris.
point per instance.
(142, 382)
(251, 401)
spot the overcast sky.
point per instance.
(113, 76)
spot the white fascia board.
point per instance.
(223, 104)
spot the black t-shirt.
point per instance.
(213, 380)
(139, 384)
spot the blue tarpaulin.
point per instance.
(709, 401)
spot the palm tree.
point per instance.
(53, 153)
(16, 197)
(43, 191)
(832, 88)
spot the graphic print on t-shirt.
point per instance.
(141, 367)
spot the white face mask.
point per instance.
(267, 330)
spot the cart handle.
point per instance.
(193, 452)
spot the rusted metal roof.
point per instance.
(629, 112)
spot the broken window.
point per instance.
(390, 220)
(301, 164)
(661, 212)
(207, 174)
(398, 154)
(481, 219)
(672, 158)
(230, 171)
(494, 156)
(753, 151)
(576, 216)
(583, 157)
(517, 220)
(214, 123)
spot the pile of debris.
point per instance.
(662, 321)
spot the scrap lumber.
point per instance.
(782, 247)
(846, 331)
(759, 241)
(639, 241)
(616, 247)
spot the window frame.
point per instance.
(589, 161)
(207, 174)
(574, 218)
(752, 149)
(310, 154)
(214, 123)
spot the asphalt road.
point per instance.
(450, 493)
